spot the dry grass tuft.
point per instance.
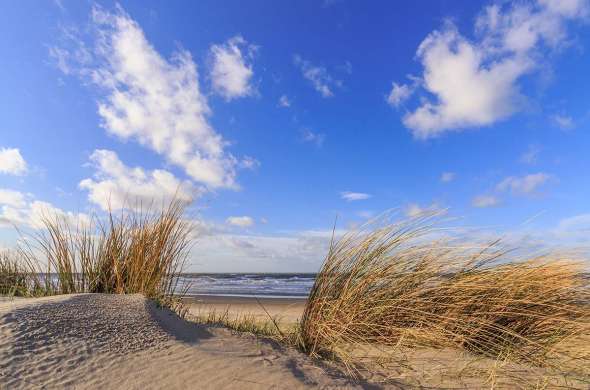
(383, 289)
(17, 276)
(134, 252)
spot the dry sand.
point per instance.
(126, 342)
(99, 341)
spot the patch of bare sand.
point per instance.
(124, 341)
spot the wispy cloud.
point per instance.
(231, 72)
(475, 82)
(531, 156)
(242, 222)
(523, 185)
(483, 201)
(312, 137)
(564, 122)
(284, 101)
(12, 162)
(353, 196)
(399, 94)
(319, 77)
(414, 209)
(447, 177)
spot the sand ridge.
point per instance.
(88, 341)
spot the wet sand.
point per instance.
(287, 310)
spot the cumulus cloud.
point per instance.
(524, 185)
(352, 196)
(152, 100)
(314, 138)
(475, 82)
(483, 201)
(231, 72)
(243, 221)
(12, 162)
(117, 186)
(319, 77)
(22, 210)
(447, 177)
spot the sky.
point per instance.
(273, 121)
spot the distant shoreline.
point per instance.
(289, 309)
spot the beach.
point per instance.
(126, 341)
(284, 310)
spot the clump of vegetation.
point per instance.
(384, 288)
(138, 251)
(17, 277)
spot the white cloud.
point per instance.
(314, 138)
(523, 185)
(319, 77)
(531, 155)
(300, 251)
(152, 100)
(414, 210)
(284, 101)
(19, 209)
(249, 163)
(475, 83)
(12, 162)
(12, 198)
(116, 185)
(483, 201)
(352, 196)
(577, 223)
(399, 94)
(564, 122)
(447, 177)
(243, 221)
(231, 74)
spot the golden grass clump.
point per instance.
(17, 276)
(138, 251)
(386, 288)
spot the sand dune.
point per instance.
(125, 341)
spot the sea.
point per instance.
(248, 285)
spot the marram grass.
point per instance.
(135, 251)
(385, 288)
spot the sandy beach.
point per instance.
(94, 341)
(286, 310)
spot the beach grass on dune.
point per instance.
(135, 251)
(383, 289)
(395, 286)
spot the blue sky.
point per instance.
(270, 120)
